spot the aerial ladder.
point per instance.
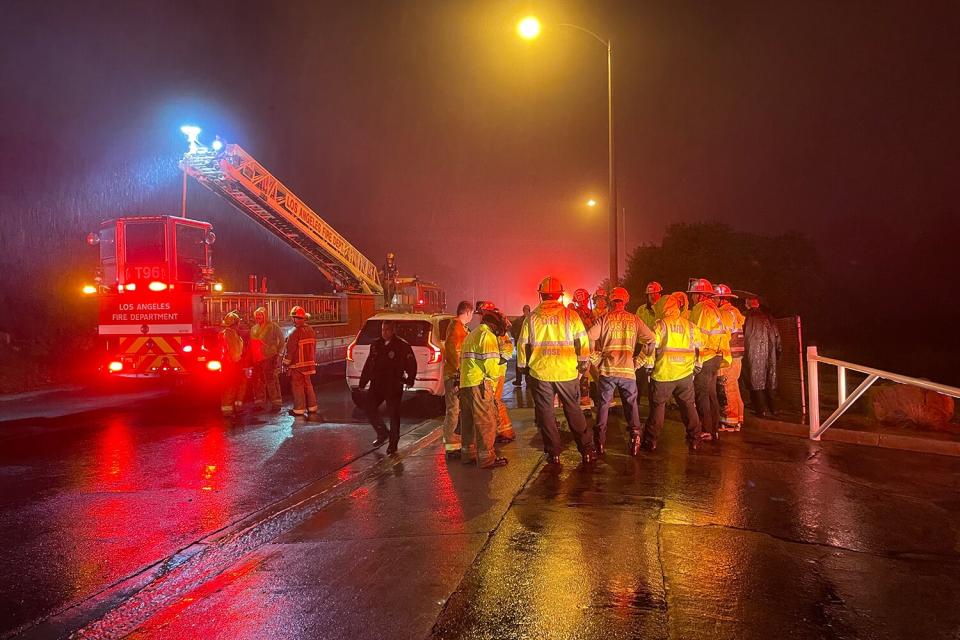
(231, 172)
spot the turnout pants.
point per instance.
(569, 394)
(266, 382)
(479, 423)
(627, 388)
(682, 390)
(705, 388)
(234, 387)
(504, 424)
(451, 396)
(733, 411)
(393, 396)
(763, 401)
(304, 396)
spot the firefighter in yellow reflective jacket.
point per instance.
(266, 343)
(677, 359)
(706, 316)
(301, 360)
(505, 431)
(554, 349)
(620, 339)
(231, 365)
(731, 411)
(652, 309)
(480, 369)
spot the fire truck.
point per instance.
(161, 305)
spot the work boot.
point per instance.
(695, 444)
(293, 413)
(553, 460)
(635, 446)
(589, 456)
(454, 454)
(382, 438)
(497, 462)
(392, 448)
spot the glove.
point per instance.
(583, 366)
(697, 368)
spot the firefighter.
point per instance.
(266, 342)
(231, 365)
(555, 351)
(706, 316)
(762, 349)
(452, 343)
(683, 302)
(581, 304)
(505, 431)
(515, 334)
(388, 276)
(390, 367)
(621, 340)
(649, 312)
(732, 412)
(480, 373)
(677, 360)
(301, 360)
(599, 302)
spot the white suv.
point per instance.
(424, 332)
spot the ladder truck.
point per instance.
(160, 304)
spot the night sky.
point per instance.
(430, 129)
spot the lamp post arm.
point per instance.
(593, 35)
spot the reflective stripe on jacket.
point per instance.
(452, 343)
(552, 342)
(677, 341)
(480, 358)
(619, 337)
(301, 353)
(506, 352)
(716, 339)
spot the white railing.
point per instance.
(845, 400)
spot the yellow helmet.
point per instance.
(299, 312)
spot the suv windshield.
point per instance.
(415, 332)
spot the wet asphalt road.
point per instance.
(761, 536)
(96, 486)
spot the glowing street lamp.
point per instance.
(528, 29)
(592, 203)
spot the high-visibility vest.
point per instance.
(506, 352)
(677, 342)
(716, 339)
(552, 343)
(479, 358)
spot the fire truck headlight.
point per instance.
(218, 286)
(187, 348)
(131, 287)
(115, 366)
(89, 289)
(214, 365)
(156, 285)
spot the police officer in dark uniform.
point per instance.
(390, 366)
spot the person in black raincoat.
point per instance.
(761, 352)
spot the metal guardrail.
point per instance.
(846, 400)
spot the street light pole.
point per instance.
(529, 28)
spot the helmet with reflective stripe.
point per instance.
(700, 285)
(299, 312)
(551, 286)
(653, 287)
(582, 296)
(231, 319)
(619, 294)
(723, 291)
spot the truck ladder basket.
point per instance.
(248, 186)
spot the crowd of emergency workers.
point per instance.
(689, 347)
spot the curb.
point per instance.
(119, 608)
(865, 438)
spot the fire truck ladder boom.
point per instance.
(247, 185)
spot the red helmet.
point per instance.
(700, 285)
(653, 287)
(600, 293)
(723, 291)
(485, 305)
(619, 294)
(551, 286)
(581, 295)
(299, 312)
